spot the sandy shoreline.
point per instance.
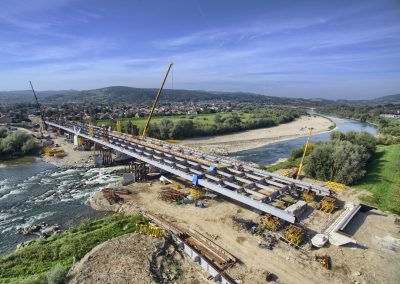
(250, 139)
(73, 158)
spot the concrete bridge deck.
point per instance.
(231, 178)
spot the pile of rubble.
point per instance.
(113, 195)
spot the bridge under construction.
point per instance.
(230, 178)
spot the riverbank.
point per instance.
(73, 157)
(245, 140)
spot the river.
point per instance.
(271, 153)
(32, 191)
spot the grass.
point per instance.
(205, 119)
(383, 179)
(283, 165)
(35, 261)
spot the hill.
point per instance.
(131, 95)
(121, 94)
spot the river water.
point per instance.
(271, 153)
(34, 191)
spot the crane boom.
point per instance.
(39, 109)
(155, 101)
(304, 154)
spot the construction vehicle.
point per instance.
(42, 125)
(155, 103)
(304, 154)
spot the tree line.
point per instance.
(389, 129)
(187, 128)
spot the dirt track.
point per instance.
(376, 264)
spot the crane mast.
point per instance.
(42, 123)
(155, 102)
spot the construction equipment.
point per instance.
(177, 185)
(271, 222)
(118, 126)
(335, 185)
(308, 196)
(91, 130)
(324, 260)
(290, 173)
(294, 234)
(304, 154)
(150, 230)
(196, 192)
(42, 125)
(328, 204)
(155, 102)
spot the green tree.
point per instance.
(183, 129)
(339, 161)
(166, 127)
(3, 132)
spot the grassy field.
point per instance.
(383, 179)
(31, 264)
(206, 119)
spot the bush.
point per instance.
(16, 144)
(56, 275)
(339, 161)
(358, 138)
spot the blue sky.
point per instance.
(331, 49)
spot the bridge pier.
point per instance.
(139, 171)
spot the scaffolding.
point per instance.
(196, 192)
(294, 234)
(328, 204)
(105, 134)
(308, 196)
(271, 223)
(106, 155)
(91, 130)
(139, 170)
